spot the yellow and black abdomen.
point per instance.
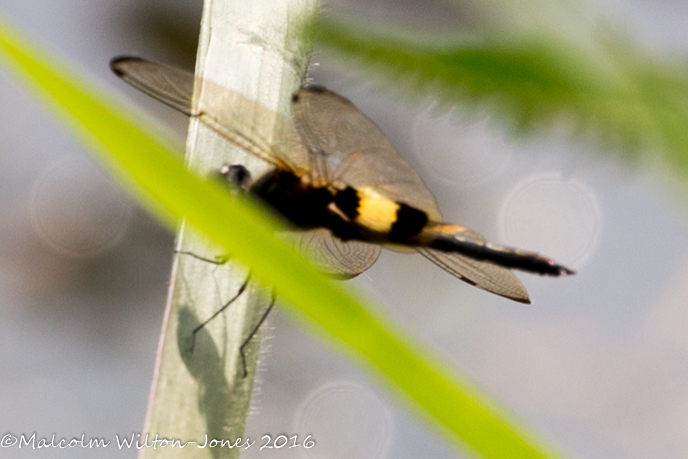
(351, 214)
(378, 218)
(383, 220)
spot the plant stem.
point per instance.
(255, 48)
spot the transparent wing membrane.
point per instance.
(335, 140)
(245, 123)
(346, 146)
(343, 260)
(482, 274)
(171, 86)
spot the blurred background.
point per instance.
(598, 364)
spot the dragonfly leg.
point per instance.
(220, 260)
(217, 260)
(242, 349)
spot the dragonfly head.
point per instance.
(236, 175)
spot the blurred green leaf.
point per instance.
(612, 92)
(148, 169)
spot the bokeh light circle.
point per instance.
(556, 217)
(345, 420)
(459, 151)
(77, 210)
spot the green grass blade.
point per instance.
(152, 173)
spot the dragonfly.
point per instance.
(344, 190)
(337, 181)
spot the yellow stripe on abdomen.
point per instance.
(377, 214)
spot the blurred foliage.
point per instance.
(598, 84)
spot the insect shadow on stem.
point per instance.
(219, 261)
(237, 179)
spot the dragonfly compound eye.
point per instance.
(236, 175)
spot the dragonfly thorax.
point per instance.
(302, 204)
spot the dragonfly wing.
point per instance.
(345, 145)
(336, 258)
(482, 274)
(248, 124)
(169, 85)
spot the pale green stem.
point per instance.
(255, 48)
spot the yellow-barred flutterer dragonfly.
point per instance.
(335, 178)
(341, 185)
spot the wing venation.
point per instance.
(345, 145)
(169, 85)
(331, 256)
(482, 274)
(248, 124)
